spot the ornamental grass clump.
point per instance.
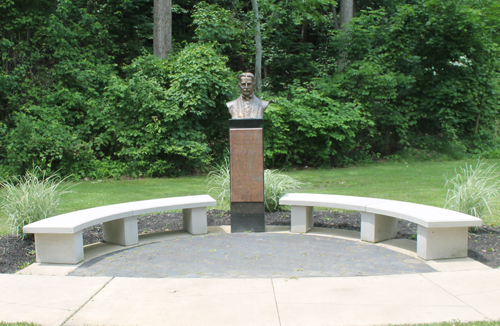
(220, 180)
(474, 190)
(276, 185)
(30, 198)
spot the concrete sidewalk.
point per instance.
(462, 289)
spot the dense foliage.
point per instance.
(81, 93)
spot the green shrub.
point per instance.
(473, 190)
(30, 198)
(307, 128)
(276, 185)
(165, 116)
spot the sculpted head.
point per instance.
(246, 84)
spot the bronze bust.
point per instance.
(247, 106)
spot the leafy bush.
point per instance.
(30, 198)
(216, 24)
(163, 117)
(305, 127)
(473, 190)
(423, 69)
(276, 185)
(160, 117)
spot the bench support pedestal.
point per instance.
(375, 227)
(195, 220)
(59, 248)
(123, 232)
(302, 219)
(442, 243)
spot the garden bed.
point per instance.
(484, 242)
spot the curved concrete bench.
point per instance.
(441, 233)
(59, 239)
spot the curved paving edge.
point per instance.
(252, 255)
(403, 246)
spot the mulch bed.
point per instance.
(484, 242)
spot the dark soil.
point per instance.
(484, 242)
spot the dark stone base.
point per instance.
(248, 217)
(246, 123)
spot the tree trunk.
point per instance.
(162, 31)
(305, 28)
(258, 48)
(335, 19)
(478, 114)
(346, 13)
(477, 122)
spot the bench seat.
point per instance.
(59, 239)
(441, 233)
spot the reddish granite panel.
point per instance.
(247, 165)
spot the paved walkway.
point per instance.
(253, 255)
(415, 292)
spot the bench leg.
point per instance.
(195, 220)
(302, 219)
(122, 232)
(59, 248)
(442, 243)
(375, 227)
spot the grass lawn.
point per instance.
(420, 182)
(88, 194)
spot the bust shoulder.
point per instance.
(231, 103)
(261, 103)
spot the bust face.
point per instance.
(246, 86)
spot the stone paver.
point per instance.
(174, 301)
(368, 301)
(479, 289)
(46, 300)
(250, 255)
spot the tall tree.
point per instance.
(258, 48)
(346, 12)
(335, 19)
(162, 32)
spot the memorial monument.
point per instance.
(246, 141)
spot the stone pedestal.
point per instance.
(246, 141)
